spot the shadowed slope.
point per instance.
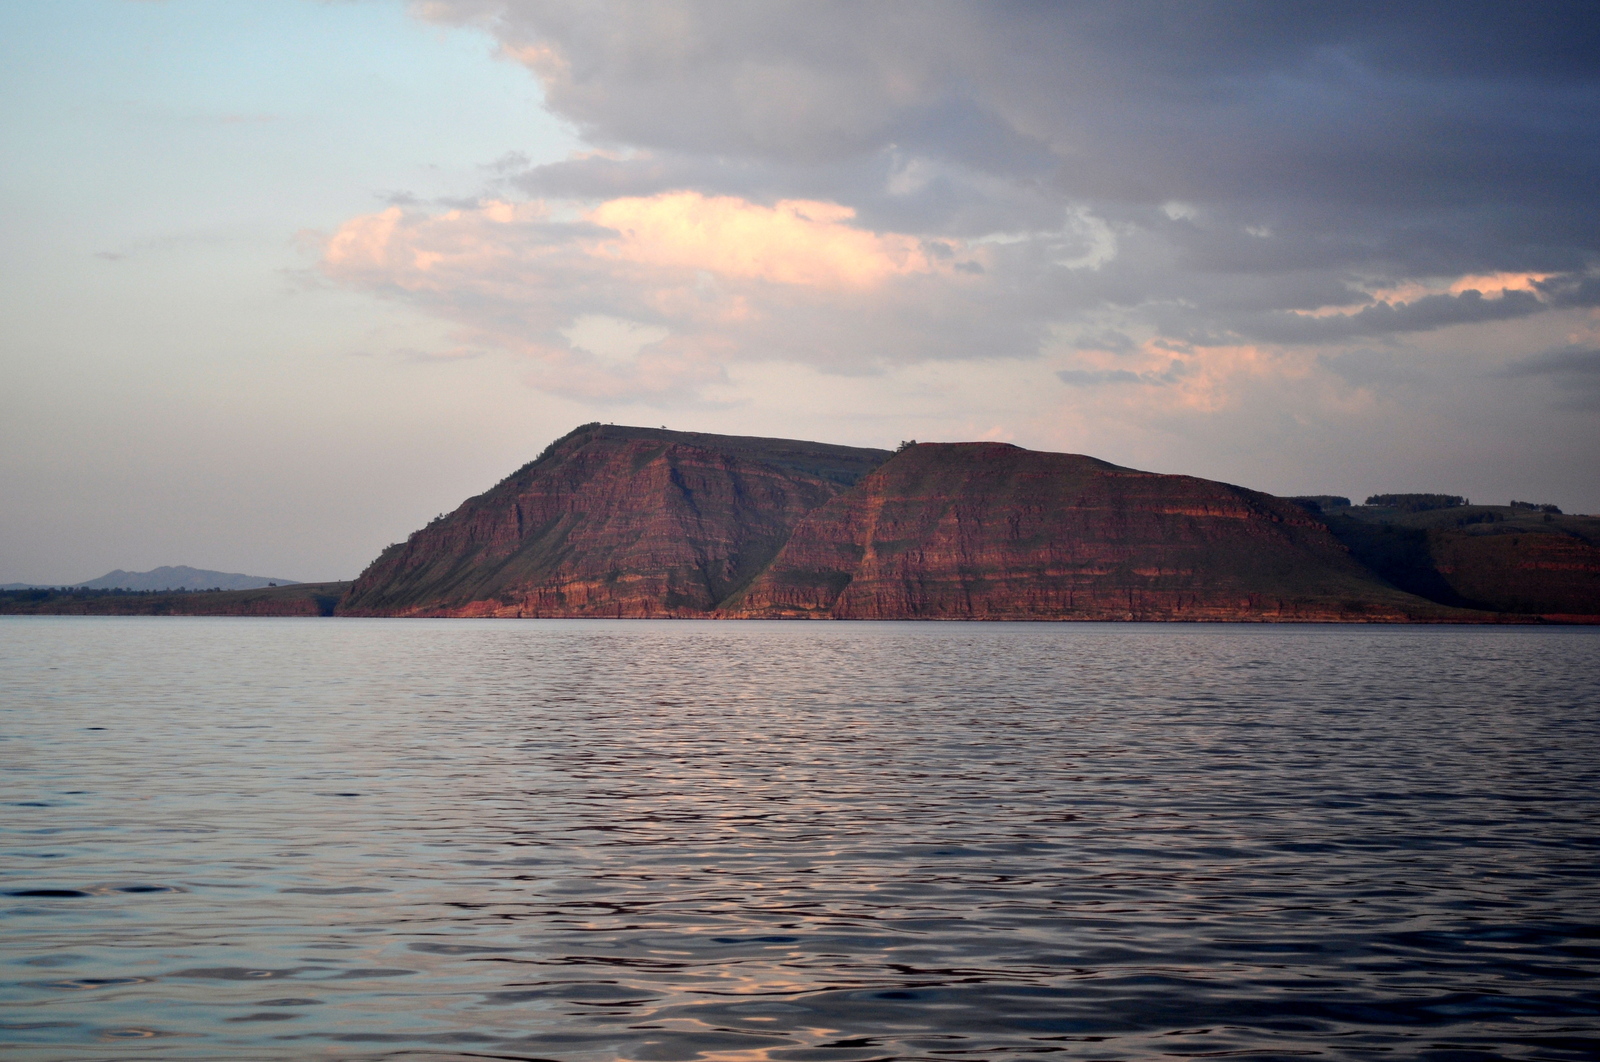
(613, 521)
(1491, 557)
(991, 531)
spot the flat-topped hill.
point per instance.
(641, 522)
(841, 464)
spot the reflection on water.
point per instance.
(580, 840)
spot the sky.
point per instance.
(284, 279)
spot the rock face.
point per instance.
(1487, 557)
(613, 521)
(991, 531)
(635, 522)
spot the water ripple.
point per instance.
(852, 841)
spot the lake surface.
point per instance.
(589, 840)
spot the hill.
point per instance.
(613, 521)
(636, 522)
(993, 531)
(1501, 558)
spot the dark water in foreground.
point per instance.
(275, 839)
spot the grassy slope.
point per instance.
(1481, 556)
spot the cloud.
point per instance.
(1571, 289)
(1223, 102)
(701, 281)
(1574, 370)
(1579, 362)
(612, 338)
(1382, 318)
(794, 242)
(1107, 339)
(1163, 375)
(1167, 206)
(1101, 377)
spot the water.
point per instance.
(581, 840)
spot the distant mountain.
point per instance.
(180, 577)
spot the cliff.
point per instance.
(613, 521)
(991, 531)
(635, 522)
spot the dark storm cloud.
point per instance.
(1424, 314)
(1571, 290)
(1324, 140)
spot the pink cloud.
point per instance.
(1491, 285)
(795, 242)
(723, 279)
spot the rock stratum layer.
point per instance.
(992, 531)
(639, 523)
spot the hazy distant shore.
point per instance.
(314, 600)
(298, 599)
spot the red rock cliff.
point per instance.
(991, 531)
(613, 521)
